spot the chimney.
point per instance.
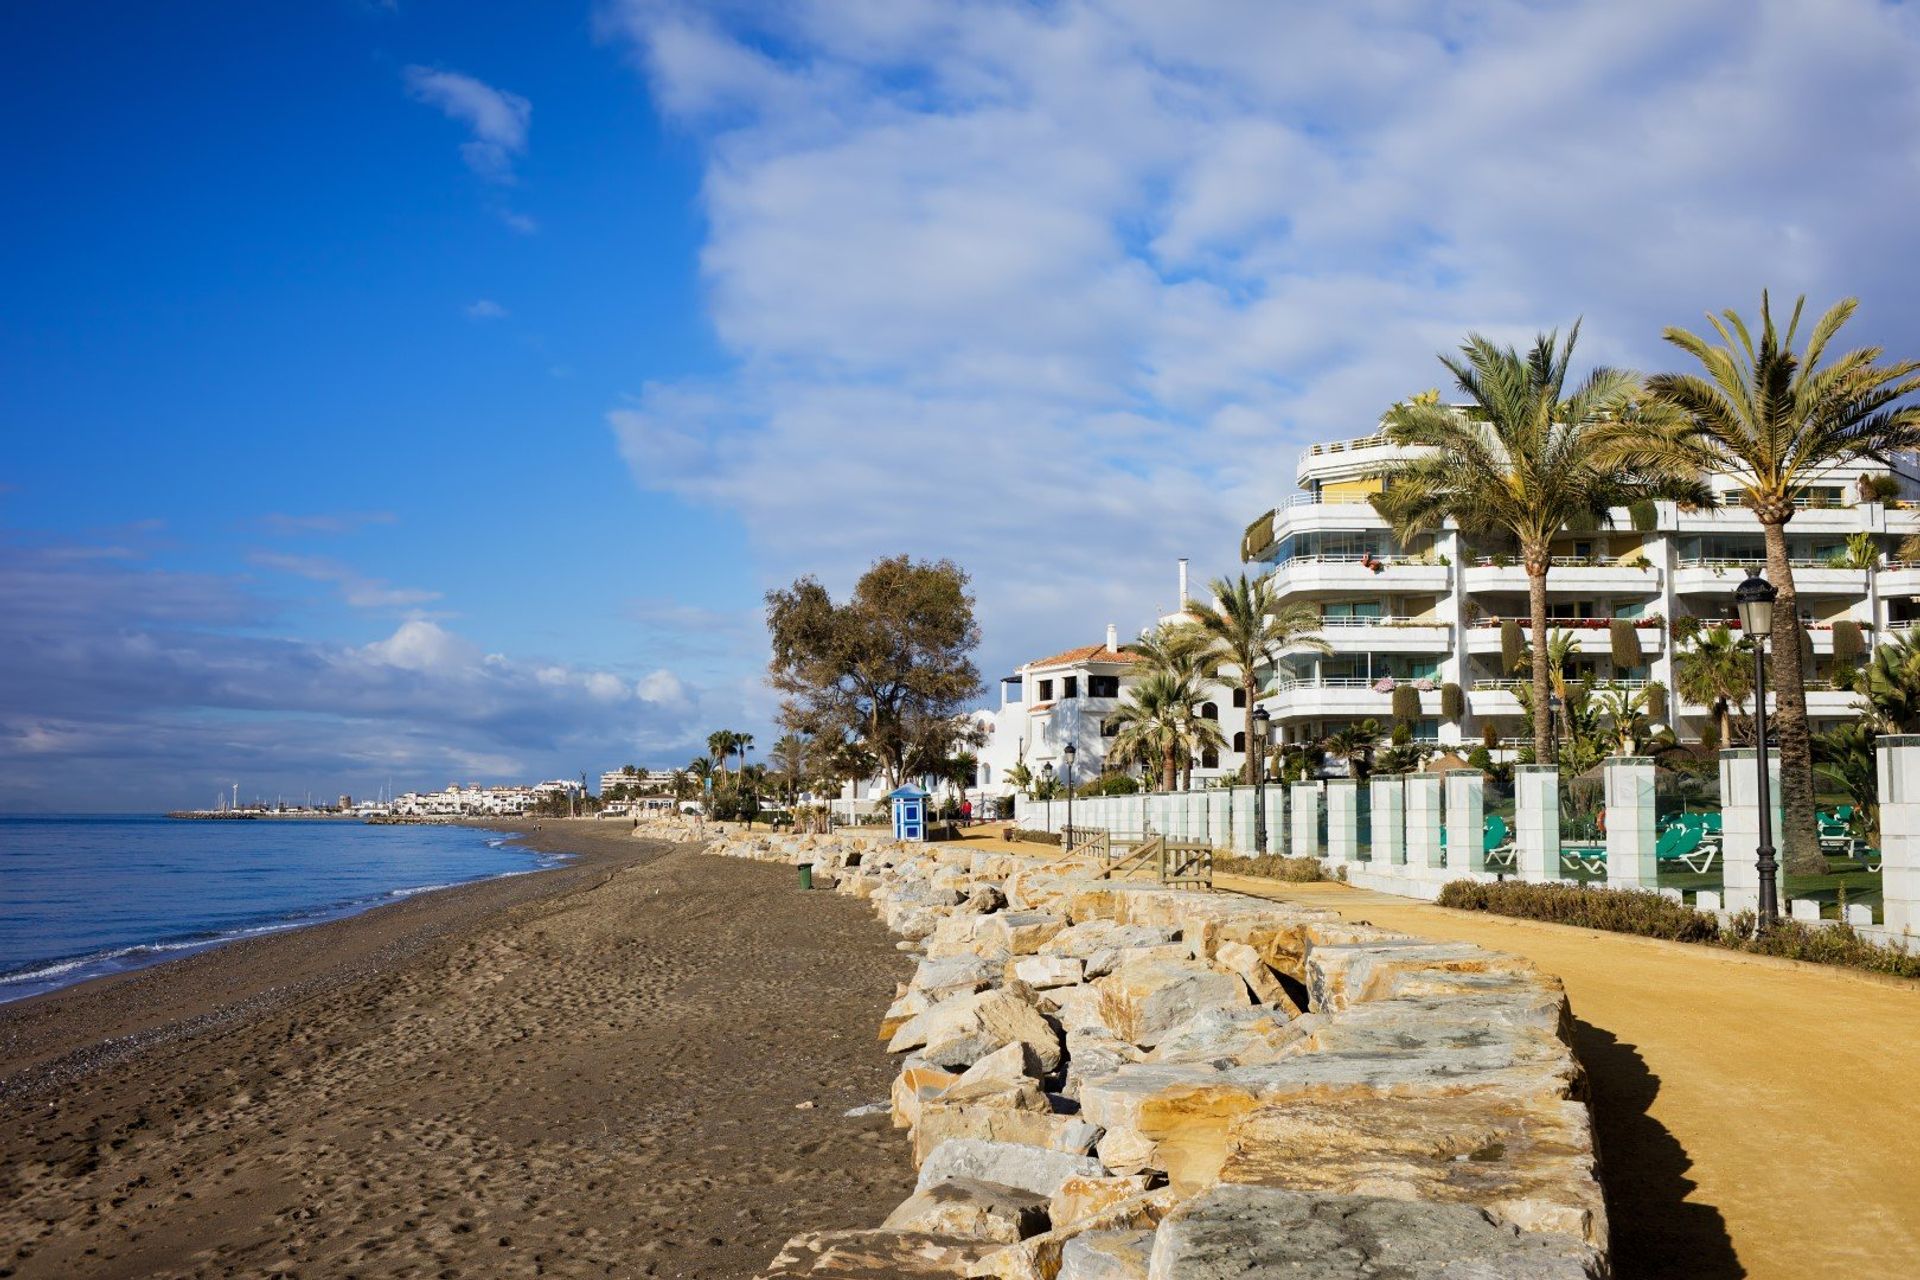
(1113, 638)
(1183, 584)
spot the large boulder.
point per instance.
(1238, 1232)
(1107, 1255)
(961, 1031)
(1009, 1164)
(1242, 960)
(1001, 1120)
(877, 1255)
(918, 1080)
(1527, 1162)
(1081, 1197)
(1145, 998)
(1041, 972)
(1040, 1257)
(972, 1210)
(1340, 976)
(1228, 1037)
(1017, 933)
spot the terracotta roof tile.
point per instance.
(1087, 653)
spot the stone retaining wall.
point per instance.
(1112, 1081)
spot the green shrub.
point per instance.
(1406, 703)
(1452, 702)
(1513, 645)
(1649, 915)
(1618, 910)
(1273, 866)
(1644, 516)
(1108, 784)
(1036, 837)
(1656, 701)
(1818, 944)
(1626, 643)
(1848, 645)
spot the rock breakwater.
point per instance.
(1105, 1080)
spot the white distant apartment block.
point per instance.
(649, 779)
(1430, 612)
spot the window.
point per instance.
(1103, 686)
(1208, 711)
(1110, 728)
(1046, 694)
(1240, 703)
(1070, 688)
(1240, 743)
(1210, 759)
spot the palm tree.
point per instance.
(789, 757)
(1889, 686)
(720, 745)
(1146, 725)
(1525, 461)
(1716, 673)
(1184, 653)
(742, 743)
(1355, 743)
(1774, 421)
(681, 784)
(1247, 627)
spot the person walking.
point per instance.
(966, 813)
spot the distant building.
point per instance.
(645, 779)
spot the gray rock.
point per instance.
(1009, 1164)
(1107, 1255)
(1268, 1232)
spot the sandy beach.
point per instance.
(636, 1064)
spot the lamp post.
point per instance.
(1068, 752)
(1553, 728)
(1754, 601)
(1259, 748)
(1046, 774)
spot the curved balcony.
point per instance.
(1340, 697)
(1573, 575)
(1704, 576)
(1387, 634)
(1335, 575)
(1591, 635)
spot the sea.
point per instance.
(85, 895)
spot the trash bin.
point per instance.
(806, 875)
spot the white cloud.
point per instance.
(485, 309)
(498, 120)
(355, 588)
(1060, 290)
(423, 646)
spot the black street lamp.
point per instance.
(1754, 600)
(1553, 729)
(1069, 752)
(1259, 748)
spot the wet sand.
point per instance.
(604, 1069)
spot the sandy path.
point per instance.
(603, 1079)
(1756, 1117)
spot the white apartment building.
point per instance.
(652, 779)
(1431, 612)
(1070, 697)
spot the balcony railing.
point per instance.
(1593, 685)
(1375, 440)
(1558, 562)
(1566, 624)
(1759, 566)
(1384, 620)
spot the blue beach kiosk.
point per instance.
(909, 813)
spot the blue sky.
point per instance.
(431, 390)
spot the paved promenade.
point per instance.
(1757, 1117)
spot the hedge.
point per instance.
(1452, 702)
(1651, 915)
(1626, 644)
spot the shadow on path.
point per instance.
(1656, 1231)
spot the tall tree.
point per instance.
(1889, 686)
(789, 756)
(1247, 629)
(890, 669)
(1716, 673)
(1774, 421)
(1525, 460)
(720, 744)
(1183, 652)
(1156, 723)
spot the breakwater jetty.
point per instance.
(1105, 1079)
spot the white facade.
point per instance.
(1430, 613)
(651, 779)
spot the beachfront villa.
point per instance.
(1431, 612)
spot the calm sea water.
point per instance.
(85, 896)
